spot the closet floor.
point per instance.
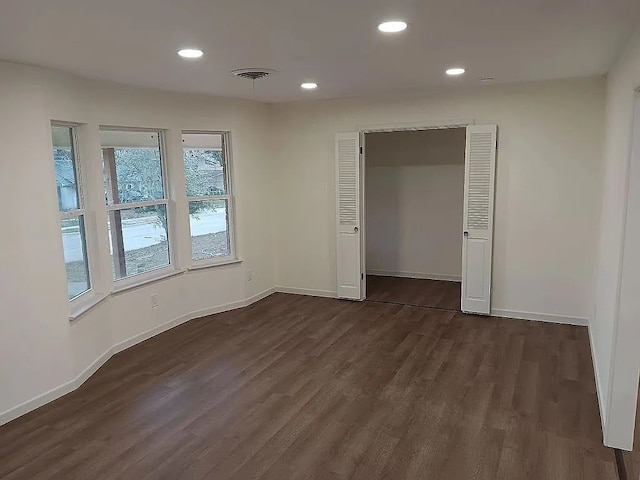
(414, 291)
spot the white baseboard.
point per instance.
(599, 392)
(540, 317)
(93, 368)
(306, 291)
(259, 296)
(37, 402)
(422, 276)
(141, 337)
(70, 386)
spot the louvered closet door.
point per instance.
(477, 243)
(349, 268)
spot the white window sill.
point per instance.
(81, 307)
(145, 279)
(201, 265)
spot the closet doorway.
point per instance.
(397, 213)
(414, 202)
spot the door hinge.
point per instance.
(361, 149)
(362, 276)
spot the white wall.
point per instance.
(414, 203)
(615, 329)
(40, 350)
(548, 186)
(34, 330)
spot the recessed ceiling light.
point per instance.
(309, 85)
(455, 71)
(190, 53)
(394, 26)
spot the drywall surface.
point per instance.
(35, 342)
(547, 197)
(615, 329)
(42, 353)
(414, 203)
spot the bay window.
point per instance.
(137, 204)
(71, 208)
(209, 195)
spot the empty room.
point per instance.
(340, 240)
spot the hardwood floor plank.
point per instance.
(630, 461)
(315, 388)
(414, 291)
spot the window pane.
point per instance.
(64, 160)
(209, 222)
(136, 159)
(138, 240)
(75, 256)
(204, 164)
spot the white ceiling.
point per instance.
(333, 42)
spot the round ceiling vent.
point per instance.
(253, 73)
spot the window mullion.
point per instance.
(72, 214)
(146, 203)
(209, 198)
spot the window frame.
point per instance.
(135, 279)
(228, 196)
(78, 213)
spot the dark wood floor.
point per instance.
(414, 291)
(631, 460)
(297, 387)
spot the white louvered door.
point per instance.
(348, 165)
(477, 243)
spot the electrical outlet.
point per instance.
(249, 275)
(154, 300)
